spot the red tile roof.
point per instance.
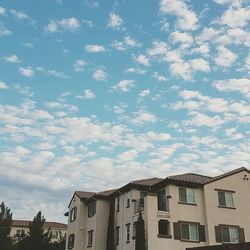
(52, 225)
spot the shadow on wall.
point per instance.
(241, 246)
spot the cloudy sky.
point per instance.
(94, 94)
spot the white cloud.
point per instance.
(200, 64)
(94, 48)
(27, 72)
(115, 21)
(70, 24)
(142, 59)
(88, 94)
(126, 44)
(79, 65)
(135, 70)
(12, 59)
(3, 85)
(159, 48)
(100, 74)
(181, 69)
(124, 85)
(142, 117)
(2, 11)
(182, 37)
(159, 77)
(225, 57)
(208, 35)
(144, 93)
(186, 18)
(198, 119)
(236, 17)
(241, 85)
(4, 31)
(203, 49)
(57, 74)
(21, 16)
(128, 155)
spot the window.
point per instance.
(128, 199)
(163, 228)
(90, 238)
(73, 214)
(142, 195)
(54, 234)
(186, 195)
(225, 199)
(117, 235)
(71, 241)
(92, 209)
(189, 232)
(118, 205)
(128, 232)
(230, 234)
(20, 233)
(134, 230)
(162, 201)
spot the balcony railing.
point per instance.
(138, 205)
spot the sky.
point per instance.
(95, 94)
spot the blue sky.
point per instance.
(94, 94)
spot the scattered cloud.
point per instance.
(70, 24)
(3, 85)
(142, 117)
(12, 59)
(94, 48)
(225, 57)
(145, 93)
(79, 65)
(186, 17)
(4, 31)
(241, 85)
(125, 44)
(88, 94)
(27, 72)
(124, 85)
(100, 74)
(115, 21)
(142, 59)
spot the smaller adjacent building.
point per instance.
(21, 227)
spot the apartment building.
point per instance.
(181, 211)
(21, 227)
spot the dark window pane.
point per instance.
(185, 231)
(182, 195)
(163, 226)
(225, 234)
(222, 198)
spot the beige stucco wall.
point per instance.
(125, 216)
(239, 216)
(178, 212)
(78, 227)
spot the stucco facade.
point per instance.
(180, 211)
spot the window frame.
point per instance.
(118, 204)
(71, 241)
(166, 234)
(189, 239)
(229, 227)
(73, 214)
(186, 201)
(90, 238)
(91, 209)
(225, 193)
(128, 232)
(117, 235)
